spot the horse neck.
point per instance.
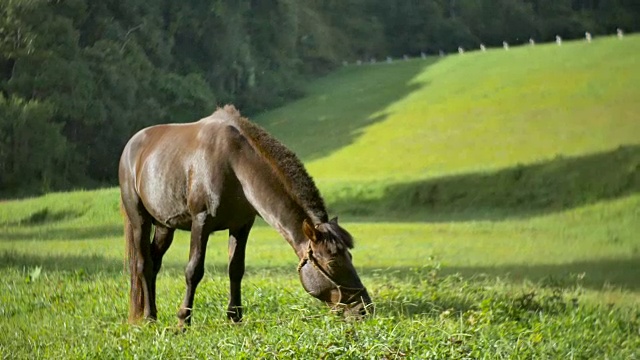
(270, 198)
(290, 227)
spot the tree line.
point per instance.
(79, 77)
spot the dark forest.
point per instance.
(79, 77)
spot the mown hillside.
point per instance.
(534, 128)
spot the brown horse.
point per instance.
(219, 173)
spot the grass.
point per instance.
(463, 290)
(486, 226)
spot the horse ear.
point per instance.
(309, 230)
(334, 220)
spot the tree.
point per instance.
(31, 147)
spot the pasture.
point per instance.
(494, 198)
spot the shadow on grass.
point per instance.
(95, 264)
(520, 191)
(46, 216)
(342, 105)
(459, 289)
(87, 264)
(63, 233)
(593, 274)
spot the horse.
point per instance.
(216, 174)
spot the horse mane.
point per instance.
(334, 236)
(286, 165)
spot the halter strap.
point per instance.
(308, 257)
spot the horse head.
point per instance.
(327, 272)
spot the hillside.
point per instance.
(532, 128)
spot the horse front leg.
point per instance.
(195, 269)
(237, 246)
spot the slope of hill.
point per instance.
(470, 112)
(544, 126)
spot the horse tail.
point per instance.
(136, 295)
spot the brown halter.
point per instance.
(308, 257)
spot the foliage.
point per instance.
(107, 69)
(31, 145)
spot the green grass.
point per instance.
(458, 290)
(494, 198)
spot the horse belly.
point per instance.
(233, 209)
(172, 206)
(170, 213)
(182, 222)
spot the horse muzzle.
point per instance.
(359, 305)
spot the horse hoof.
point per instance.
(180, 329)
(234, 315)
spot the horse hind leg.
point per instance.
(162, 239)
(195, 268)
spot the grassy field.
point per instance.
(494, 198)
